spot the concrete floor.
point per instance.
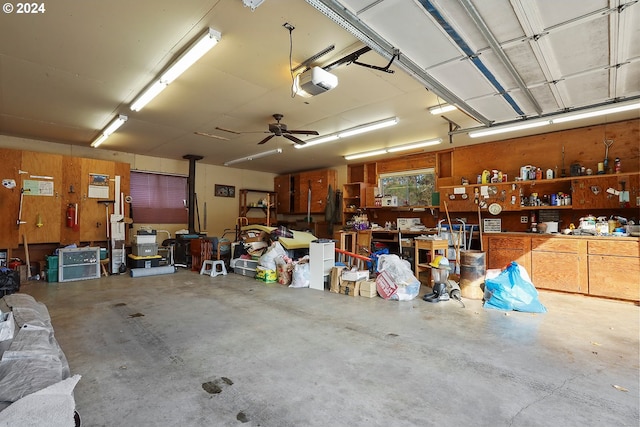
(191, 350)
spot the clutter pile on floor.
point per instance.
(35, 382)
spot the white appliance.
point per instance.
(316, 81)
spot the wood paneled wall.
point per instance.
(44, 215)
(582, 145)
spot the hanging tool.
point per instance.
(26, 255)
(19, 220)
(480, 227)
(309, 204)
(607, 143)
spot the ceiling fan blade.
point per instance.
(210, 135)
(303, 132)
(228, 130)
(266, 139)
(293, 138)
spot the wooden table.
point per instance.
(431, 245)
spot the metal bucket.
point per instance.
(472, 272)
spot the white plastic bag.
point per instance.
(268, 259)
(301, 274)
(401, 274)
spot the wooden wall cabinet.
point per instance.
(283, 186)
(318, 182)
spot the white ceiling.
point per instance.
(67, 72)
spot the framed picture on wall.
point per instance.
(225, 190)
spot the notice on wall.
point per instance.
(98, 186)
(37, 188)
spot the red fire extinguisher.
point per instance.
(71, 216)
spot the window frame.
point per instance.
(422, 171)
(161, 199)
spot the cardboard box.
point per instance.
(266, 275)
(368, 288)
(351, 288)
(336, 279)
(385, 285)
(355, 275)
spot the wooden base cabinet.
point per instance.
(560, 264)
(502, 250)
(614, 269)
(598, 266)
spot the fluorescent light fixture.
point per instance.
(365, 154)
(397, 148)
(367, 127)
(414, 145)
(111, 128)
(316, 141)
(440, 109)
(202, 45)
(511, 128)
(609, 109)
(254, 156)
(146, 96)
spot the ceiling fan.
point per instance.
(279, 129)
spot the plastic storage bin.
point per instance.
(146, 249)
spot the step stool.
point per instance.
(210, 267)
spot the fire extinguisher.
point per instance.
(71, 216)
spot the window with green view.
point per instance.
(413, 188)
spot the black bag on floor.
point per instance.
(9, 281)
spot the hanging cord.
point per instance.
(293, 79)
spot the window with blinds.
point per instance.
(158, 199)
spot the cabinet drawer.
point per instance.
(557, 244)
(508, 243)
(614, 247)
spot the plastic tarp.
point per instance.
(512, 290)
(34, 359)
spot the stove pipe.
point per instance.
(191, 183)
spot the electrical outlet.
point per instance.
(524, 219)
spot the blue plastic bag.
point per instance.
(512, 290)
